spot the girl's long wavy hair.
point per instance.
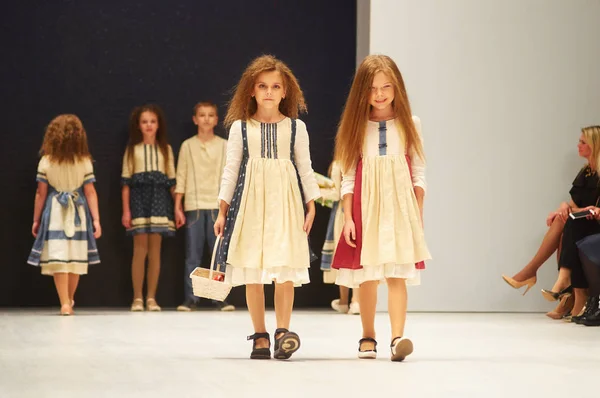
(65, 140)
(242, 105)
(136, 136)
(353, 123)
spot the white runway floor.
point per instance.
(204, 354)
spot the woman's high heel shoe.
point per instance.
(517, 285)
(555, 296)
(563, 309)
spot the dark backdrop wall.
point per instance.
(99, 59)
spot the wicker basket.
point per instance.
(209, 283)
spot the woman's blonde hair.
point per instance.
(242, 106)
(65, 140)
(352, 127)
(592, 136)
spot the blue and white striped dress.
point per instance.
(65, 241)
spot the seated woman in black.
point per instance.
(585, 195)
(564, 232)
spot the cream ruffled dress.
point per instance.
(268, 175)
(392, 234)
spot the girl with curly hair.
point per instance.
(66, 221)
(267, 198)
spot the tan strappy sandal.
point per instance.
(151, 305)
(137, 305)
(66, 310)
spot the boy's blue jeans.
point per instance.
(199, 229)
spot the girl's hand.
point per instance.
(179, 218)
(308, 221)
(34, 228)
(126, 219)
(97, 229)
(220, 225)
(350, 233)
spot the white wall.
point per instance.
(502, 89)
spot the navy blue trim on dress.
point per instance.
(262, 139)
(234, 208)
(274, 142)
(382, 138)
(79, 200)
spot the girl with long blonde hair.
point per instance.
(380, 150)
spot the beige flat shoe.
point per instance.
(342, 308)
(151, 305)
(66, 310)
(354, 308)
(137, 305)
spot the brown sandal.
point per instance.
(401, 348)
(286, 345)
(260, 353)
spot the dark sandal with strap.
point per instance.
(400, 349)
(260, 353)
(285, 345)
(368, 354)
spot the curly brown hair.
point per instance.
(65, 140)
(136, 136)
(242, 106)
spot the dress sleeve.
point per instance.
(42, 170)
(577, 191)
(235, 153)
(127, 172)
(88, 176)
(416, 162)
(348, 178)
(304, 163)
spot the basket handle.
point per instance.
(213, 260)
